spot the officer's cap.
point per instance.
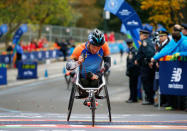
(145, 30)
(162, 31)
(184, 25)
(129, 41)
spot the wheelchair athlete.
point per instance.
(90, 57)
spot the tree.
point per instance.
(91, 13)
(167, 12)
(45, 11)
(13, 13)
(17, 12)
(136, 5)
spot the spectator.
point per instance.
(41, 43)
(106, 37)
(112, 37)
(64, 48)
(9, 48)
(56, 44)
(132, 72)
(163, 41)
(177, 43)
(121, 49)
(145, 52)
(32, 46)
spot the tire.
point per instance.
(71, 100)
(93, 107)
(108, 103)
(68, 82)
(107, 77)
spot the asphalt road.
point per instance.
(42, 105)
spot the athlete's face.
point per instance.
(94, 49)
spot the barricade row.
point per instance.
(54, 54)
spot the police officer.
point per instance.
(132, 71)
(163, 41)
(163, 38)
(145, 53)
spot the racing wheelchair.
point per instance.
(91, 91)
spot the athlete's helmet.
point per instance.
(96, 38)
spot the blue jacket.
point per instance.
(183, 47)
(173, 47)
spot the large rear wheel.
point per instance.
(108, 103)
(71, 100)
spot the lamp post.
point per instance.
(106, 16)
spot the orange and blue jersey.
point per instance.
(92, 62)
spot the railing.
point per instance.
(52, 33)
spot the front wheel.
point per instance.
(93, 107)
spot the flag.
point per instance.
(127, 15)
(123, 29)
(3, 29)
(19, 33)
(113, 5)
(22, 29)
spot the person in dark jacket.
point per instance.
(163, 41)
(64, 48)
(132, 72)
(145, 53)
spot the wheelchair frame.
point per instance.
(91, 91)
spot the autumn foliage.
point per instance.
(166, 12)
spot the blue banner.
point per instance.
(124, 30)
(172, 77)
(127, 15)
(113, 5)
(3, 74)
(27, 70)
(3, 29)
(135, 35)
(19, 33)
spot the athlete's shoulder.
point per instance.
(77, 51)
(106, 49)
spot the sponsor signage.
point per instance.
(27, 70)
(173, 76)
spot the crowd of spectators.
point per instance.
(145, 62)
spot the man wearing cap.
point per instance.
(177, 44)
(132, 72)
(145, 52)
(163, 38)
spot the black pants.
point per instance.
(64, 54)
(133, 81)
(147, 83)
(88, 83)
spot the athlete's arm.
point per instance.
(106, 57)
(76, 59)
